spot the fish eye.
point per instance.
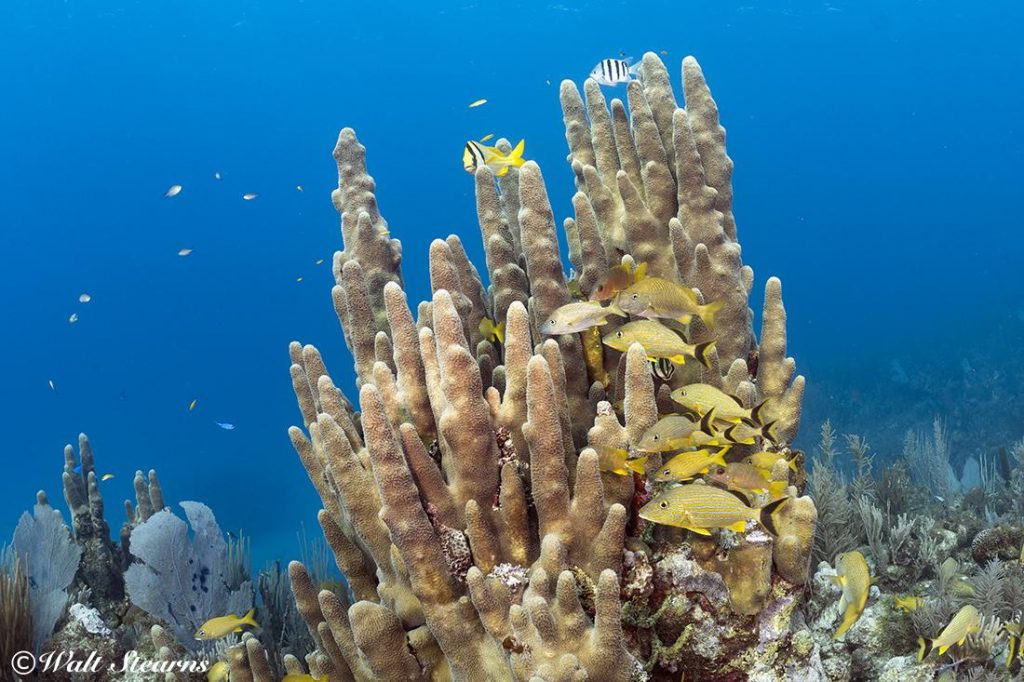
(657, 437)
(618, 334)
(668, 472)
(636, 296)
(663, 505)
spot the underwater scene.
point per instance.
(388, 341)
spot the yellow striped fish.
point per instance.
(475, 155)
(966, 622)
(746, 478)
(670, 433)
(653, 297)
(702, 397)
(765, 461)
(659, 342)
(617, 461)
(854, 578)
(687, 465)
(699, 508)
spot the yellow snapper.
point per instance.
(617, 461)
(618, 278)
(491, 331)
(702, 397)
(658, 341)
(475, 155)
(670, 433)
(656, 297)
(219, 672)
(765, 461)
(302, 677)
(1013, 632)
(908, 602)
(746, 477)
(966, 622)
(854, 578)
(687, 465)
(593, 355)
(745, 434)
(699, 508)
(575, 317)
(222, 626)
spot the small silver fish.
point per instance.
(227, 426)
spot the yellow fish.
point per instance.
(1013, 632)
(908, 602)
(966, 622)
(745, 434)
(618, 278)
(654, 297)
(659, 342)
(302, 677)
(219, 672)
(854, 578)
(192, 405)
(486, 137)
(475, 155)
(222, 626)
(670, 433)
(618, 461)
(746, 477)
(687, 465)
(702, 397)
(106, 477)
(593, 355)
(699, 508)
(491, 331)
(575, 317)
(765, 461)
(477, 103)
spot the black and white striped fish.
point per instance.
(663, 369)
(614, 71)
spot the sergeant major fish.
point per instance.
(614, 71)
(699, 508)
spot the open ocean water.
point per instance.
(878, 149)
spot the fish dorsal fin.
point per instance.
(741, 497)
(738, 401)
(640, 272)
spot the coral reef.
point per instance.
(466, 502)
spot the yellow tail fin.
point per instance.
(515, 157)
(638, 464)
(250, 618)
(707, 313)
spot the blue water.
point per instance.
(878, 151)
